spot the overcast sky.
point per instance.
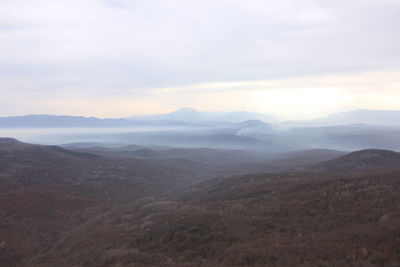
(116, 58)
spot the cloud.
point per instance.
(108, 48)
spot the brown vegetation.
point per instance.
(63, 208)
(287, 219)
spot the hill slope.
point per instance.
(47, 190)
(65, 208)
(285, 219)
(369, 160)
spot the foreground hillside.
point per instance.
(46, 190)
(66, 208)
(276, 219)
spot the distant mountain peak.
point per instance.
(188, 114)
(185, 109)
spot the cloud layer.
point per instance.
(158, 55)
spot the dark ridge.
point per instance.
(364, 160)
(9, 141)
(71, 152)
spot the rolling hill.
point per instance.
(277, 219)
(46, 190)
(368, 160)
(67, 208)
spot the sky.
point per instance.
(116, 58)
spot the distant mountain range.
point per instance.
(364, 116)
(61, 121)
(190, 114)
(189, 128)
(178, 118)
(359, 116)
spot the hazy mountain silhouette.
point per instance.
(365, 116)
(200, 132)
(253, 124)
(62, 121)
(389, 118)
(190, 114)
(244, 116)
